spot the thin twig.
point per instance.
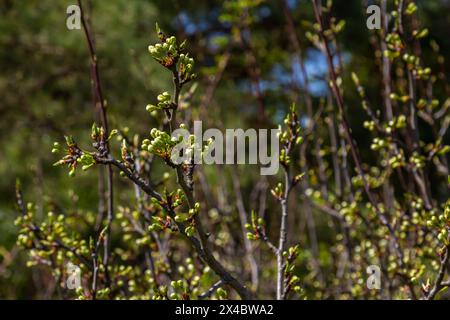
(100, 105)
(211, 290)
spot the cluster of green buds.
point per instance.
(313, 37)
(417, 160)
(189, 219)
(337, 26)
(369, 125)
(397, 123)
(427, 104)
(176, 198)
(257, 228)
(278, 191)
(285, 159)
(375, 178)
(386, 128)
(398, 97)
(187, 269)
(397, 160)
(25, 222)
(190, 286)
(292, 280)
(441, 224)
(103, 293)
(193, 149)
(419, 217)
(419, 34)
(334, 27)
(127, 156)
(171, 55)
(410, 8)
(72, 157)
(164, 103)
(161, 293)
(173, 200)
(394, 46)
(438, 148)
(76, 156)
(290, 136)
(314, 195)
(123, 272)
(416, 204)
(161, 144)
(379, 144)
(167, 51)
(86, 160)
(189, 216)
(99, 139)
(413, 63)
(48, 241)
(187, 287)
(416, 273)
(185, 67)
(348, 210)
(180, 290)
(221, 294)
(162, 223)
(423, 73)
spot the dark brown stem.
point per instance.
(100, 105)
(211, 290)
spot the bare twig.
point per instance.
(100, 105)
(211, 290)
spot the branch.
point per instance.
(211, 290)
(100, 104)
(199, 244)
(289, 184)
(283, 236)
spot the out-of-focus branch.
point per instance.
(345, 124)
(243, 219)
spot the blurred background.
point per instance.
(247, 77)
